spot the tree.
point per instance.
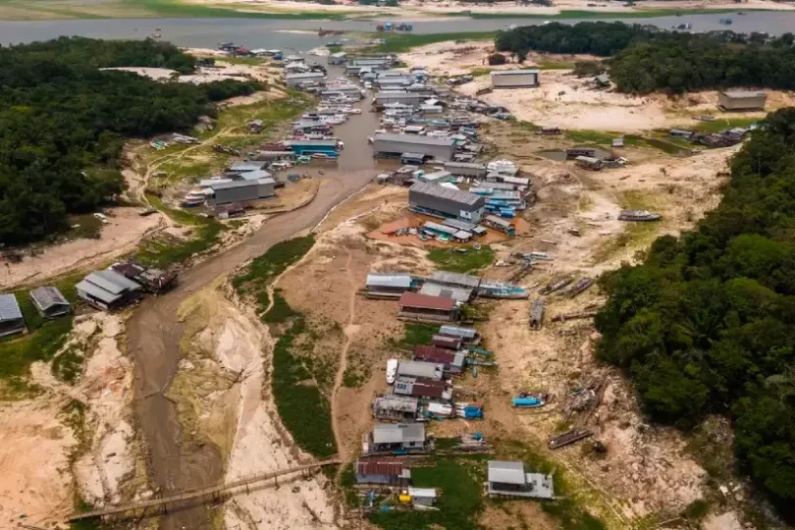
(496, 59)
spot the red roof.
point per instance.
(424, 301)
(379, 466)
(445, 341)
(421, 387)
(434, 355)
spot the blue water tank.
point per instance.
(529, 401)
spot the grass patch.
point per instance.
(414, 335)
(177, 9)
(280, 311)
(459, 504)
(722, 124)
(271, 264)
(301, 406)
(353, 378)
(595, 137)
(68, 366)
(403, 42)
(666, 146)
(569, 14)
(554, 65)
(454, 260)
(84, 226)
(247, 61)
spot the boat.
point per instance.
(324, 156)
(638, 215)
(391, 370)
(557, 284)
(726, 21)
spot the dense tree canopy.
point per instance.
(63, 123)
(644, 59)
(705, 324)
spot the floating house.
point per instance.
(383, 471)
(414, 306)
(49, 302)
(742, 100)
(508, 479)
(515, 78)
(11, 319)
(422, 388)
(446, 203)
(107, 290)
(152, 280)
(462, 295)
(432, 371)
(452, 362)
(396, 438)
(391, 407)
(388, 284)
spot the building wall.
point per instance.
(439, 152)
(291, 82)
(506, 81)
(265, 190)
(407, 98)
(226, 196)
(12, 326)
(465, 212)
(466, 171)
(741, 103)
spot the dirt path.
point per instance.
(155, 333)
(350, 330)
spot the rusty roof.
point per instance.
(379, 466)
(432, 354)
(423, 301)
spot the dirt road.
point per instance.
(154, 333)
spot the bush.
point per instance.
(496, 59)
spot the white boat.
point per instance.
(391, 370)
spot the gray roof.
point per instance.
(463, 197)
(413, 138)
(420, 369)
(241, 184)
(305, 75)
(242, 168)
(459, 294)
(255, 175)
(430, 225)
(46, 297)
(455, 278)
(464, 165)
(396, 403)
(742, 94)
(389, 279)
(314, 143)
(111, 281)
(206, 183)
(460, 225)
(386, 433)
(9, 308)
(456, 331)
(506, 472)
(515, 72)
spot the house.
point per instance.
(589, 162)
(307, 147)
(152, 280)
(497, 223)
(508, 479)
(391, 407)
(422, 388)
(515, 78)
(383, 471)
(602, 81)
(461, 295)
(107, 289)
(742, 100)
(397, 438)
(465, 334)
(446, 203)
(432, 147)
(387, 284)
(432, 371)
(11, 319)
(416, 306)
(452, 362)
(241, 191)
(465, 226)
(49, 302)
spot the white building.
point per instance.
(515, 78)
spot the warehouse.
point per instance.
(398, 96)
(446, 202)
(11, 319)
(241, 191)
(397, 144)
(465, 169)
(296, 80)
(742, 100)
(419, 307)
(107, 289)
(514, 78)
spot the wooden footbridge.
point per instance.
(213, 492)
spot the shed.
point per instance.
(433, 371)
(515, 78)
(11, 319)
(388, 282)
(422, 496)
(423, 307)
(447, 342)
(150, 279)
(466, 334)
(337, 58)
(384, 471)
(49, 301)
(445, 202)
(742, 100)
(466, 169)
(107, 289)
(508, 479)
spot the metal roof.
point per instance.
(243, 168)
(742, 94)
(414, 300)
(313, 143)
(434, 190)
(234, 184)
(414, 139)
(382, 466)
(9, 308)
(455, 331)
(305, 75)
(465, 165)
(506, 472)
(459, 225)
(396, 403)
(387, 433)
(97, 292)
(433, 354)
(111, 282)
(255, 175)
(498, 221)
(515, 72)
(206, 183)
(47, 296)
(389, 279)
(455, 278)
(420, 369)
(430, 225)
(421, 387)
(422, 492)
(459, 294)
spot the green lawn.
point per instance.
(721, 124)
(413, 335)
(577, 14)
(403, 42)
(463, 260)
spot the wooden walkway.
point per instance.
(196, 494)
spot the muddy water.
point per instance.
(154, 333)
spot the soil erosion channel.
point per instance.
(155, 333)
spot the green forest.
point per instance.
(643, 59)
(63, 123)
(704, 325)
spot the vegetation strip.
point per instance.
(703, 325)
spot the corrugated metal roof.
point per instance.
(255, 175)
(396, 403)
(389, 279)
(465, 165)
(459, 294)
(380, 466)
(9, 308)
(414, 300)
(456, 331)
(460, 225)
(422, 492)
(434, 190)
(414, 139)
(420, 369)
(97, 292)
(47, 296)
(387, 433)
(234, 184)
(432, 354)
(420, 387)
(306, 75)
(498, 221)
(455, 278)
(743, 94)
(506, 472)
(430, 225)
(515, 72)
(242, 168)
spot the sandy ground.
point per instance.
(99, 447)
(225, 384)
(565, 101)
(120, 236)
(418, 8)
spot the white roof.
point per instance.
(506, 472)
